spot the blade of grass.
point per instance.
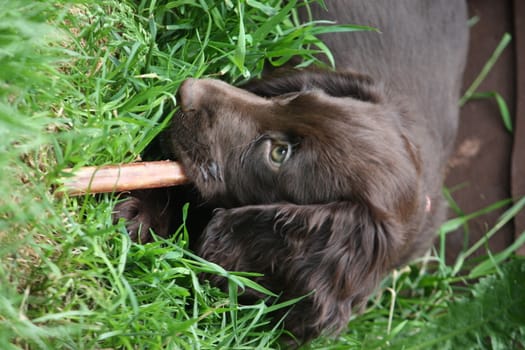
(270, 25)
(453, 224)
(505, 40)
(240, 50)
(487, 266)
(503, 220)
(502, 105)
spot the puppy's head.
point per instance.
(318, 181)
(303, 138)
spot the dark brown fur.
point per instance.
(368, 154)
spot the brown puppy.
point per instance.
(325, 181)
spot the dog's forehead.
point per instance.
(314, 114)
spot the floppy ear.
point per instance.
(334, 253)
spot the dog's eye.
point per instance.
(280, 152)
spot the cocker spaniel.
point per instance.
(321, 181)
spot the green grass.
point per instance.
(472, 93)
(86, 83)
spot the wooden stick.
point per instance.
(124, 177)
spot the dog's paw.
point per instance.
(138, 218)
